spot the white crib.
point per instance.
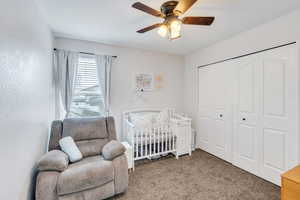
(156, 140)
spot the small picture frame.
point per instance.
(144, 82)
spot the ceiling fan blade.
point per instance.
(147, 9)
(149, 28)
(183, 6)
(206, 21)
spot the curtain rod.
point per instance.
(87, 53)
(256, 52)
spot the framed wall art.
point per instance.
(144, 82)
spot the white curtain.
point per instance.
(104, 64)
(65, 69)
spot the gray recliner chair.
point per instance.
(102, 173)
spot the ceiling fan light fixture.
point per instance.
(163, 31)
(171, 29)
(175, 29)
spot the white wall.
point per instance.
(25, 88)
(277, 32)
(129, 62)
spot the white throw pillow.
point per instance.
(141, 121)
(163, 117)
(68, 146)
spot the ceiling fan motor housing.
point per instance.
(168, 7)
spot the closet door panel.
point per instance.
(205, 114)
(246, 142)
(214, 117)
(222, 79)
(203, 133)
(246, 88)
(274, 88)
(246, 132)
(278, 125)
(219, 140)
(274, 149)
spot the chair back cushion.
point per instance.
(90, 134)
(85, 128)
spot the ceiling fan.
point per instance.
(170, 12)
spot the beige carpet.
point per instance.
(199, 177)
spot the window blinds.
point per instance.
(86, 76)
(87, 100)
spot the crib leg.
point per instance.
(177, 156)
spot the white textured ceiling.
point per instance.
(115, 21)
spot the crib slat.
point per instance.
(170, 140)
(146, 141)
(167, 141)
(157, 139)
(150, 142)
(158, 142)
(136, 143)
(173, 136)
(164, 138)
(139, 143)
(154, 141)
(143, 143)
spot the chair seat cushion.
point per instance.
(89, 173)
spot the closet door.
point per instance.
(205, 107)
(246, 134)
(278, 121)
(215, 110)
(222, 110)
(266, 121)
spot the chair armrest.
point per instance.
(53, 161)
(112, 150)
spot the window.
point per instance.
(87, 101)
